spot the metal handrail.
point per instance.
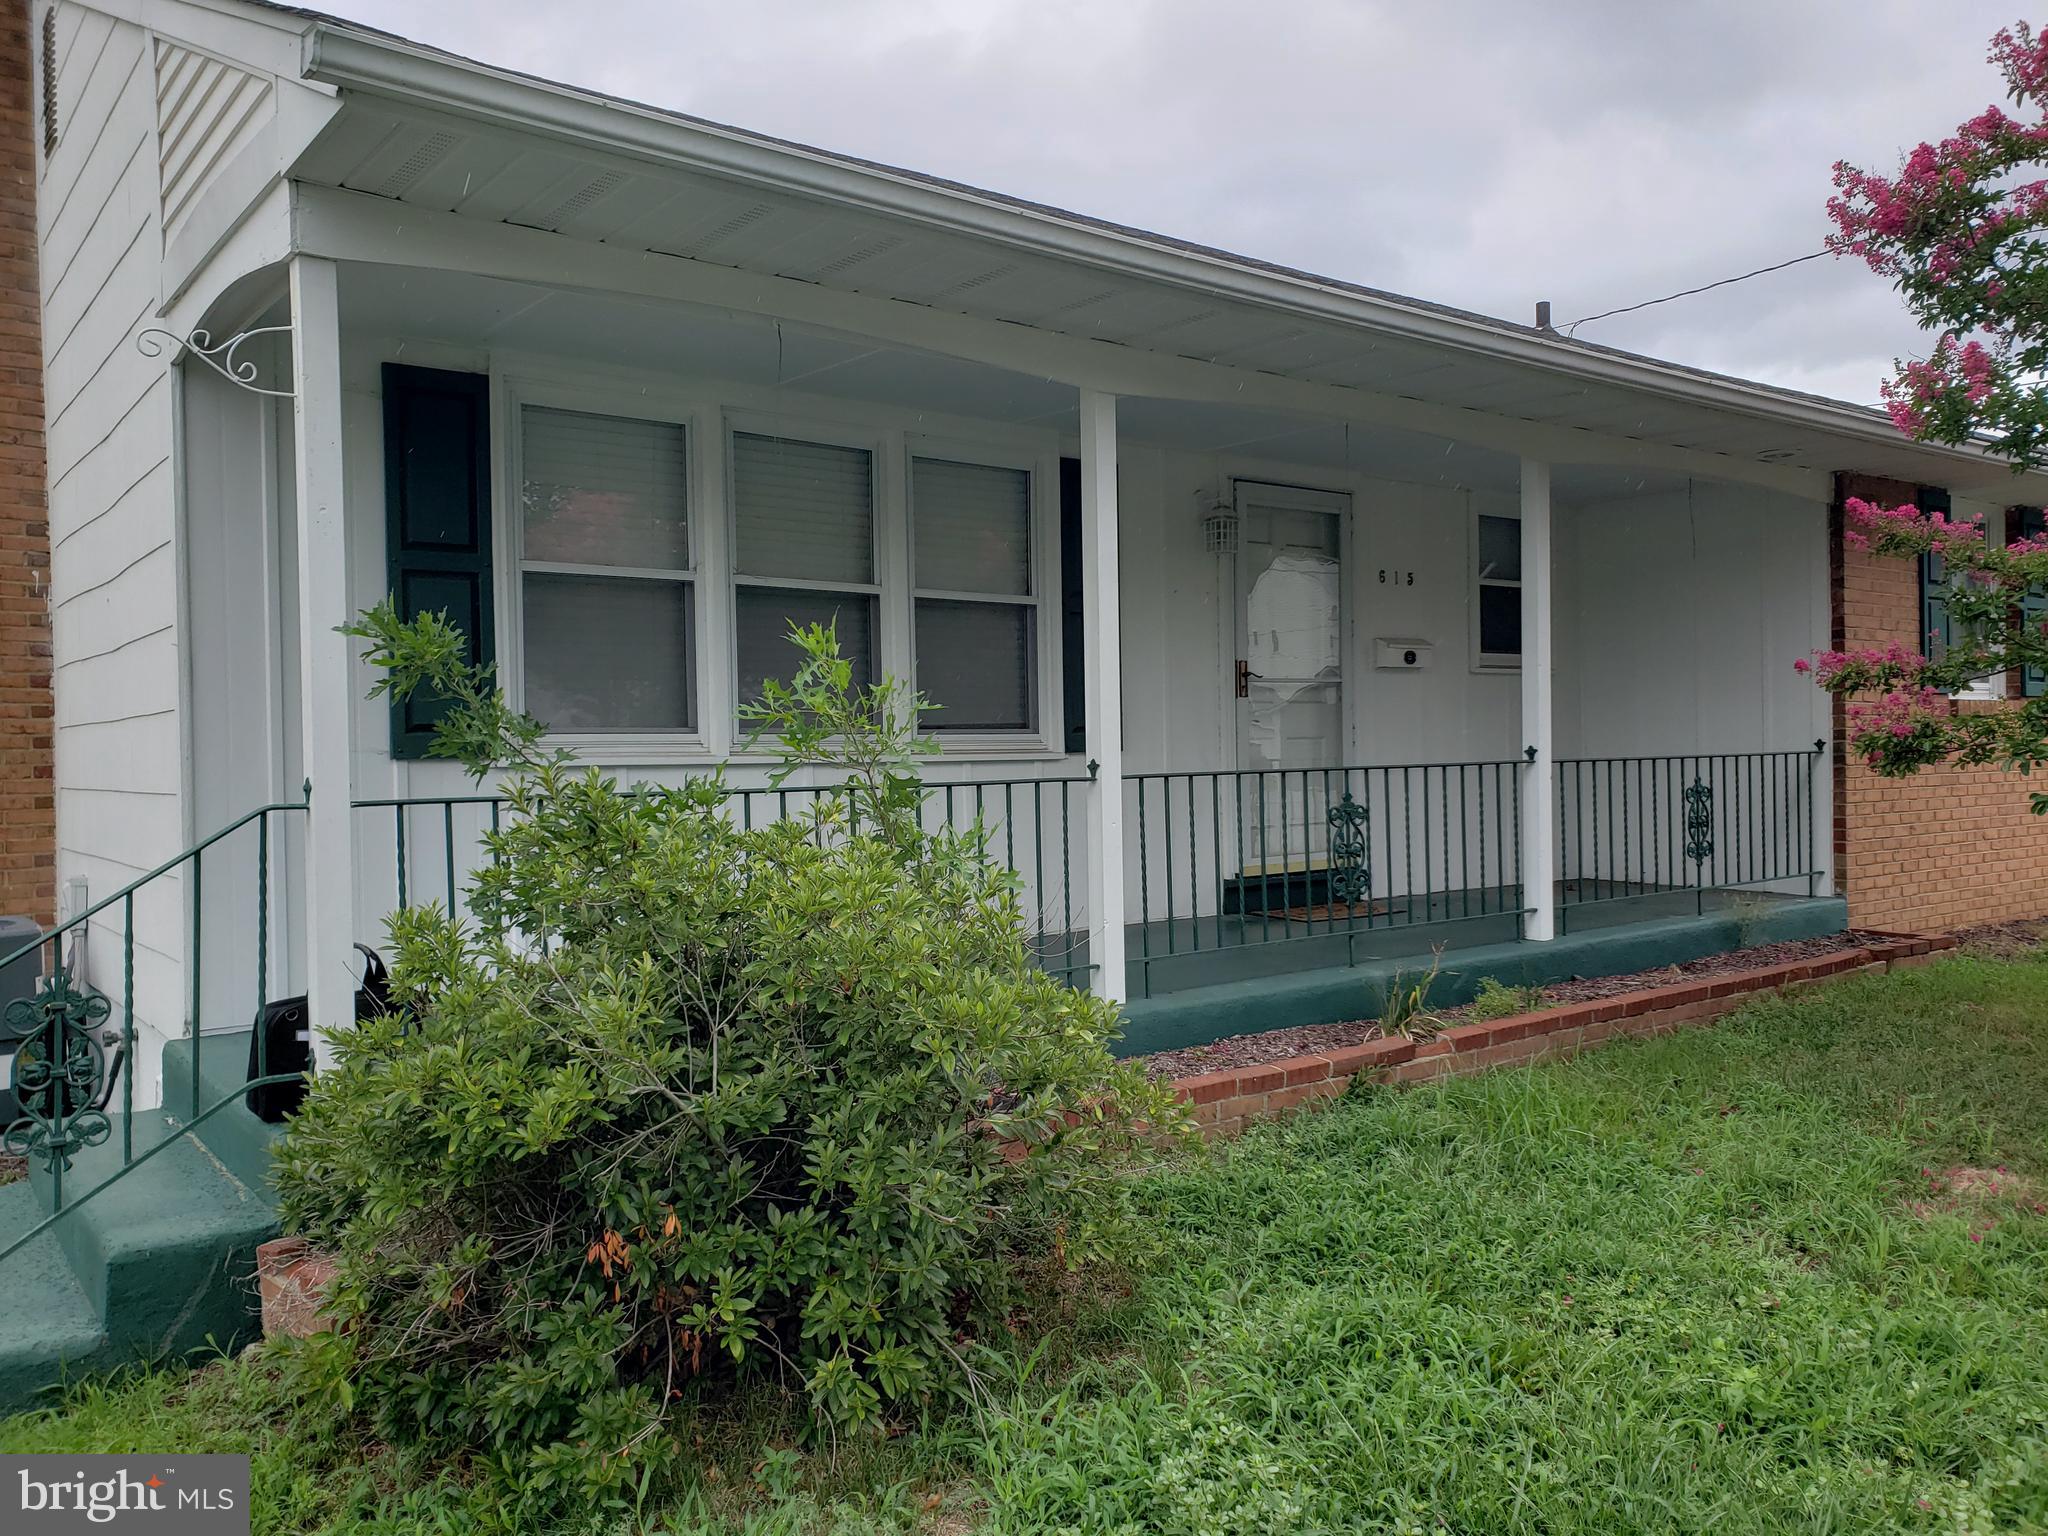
(63, 1020)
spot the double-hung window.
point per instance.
(1497, 598)
(803, 553)
(974, 595)
(607, 585)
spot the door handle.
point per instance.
(1245, 674)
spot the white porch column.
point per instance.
(1102, 638)
(1539, 773)
(324, 686)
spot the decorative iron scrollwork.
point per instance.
(60, 1068)
(1350, 875)
(1699, 821)
(217, 355)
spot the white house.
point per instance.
(1278, 622)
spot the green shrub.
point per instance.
(684, 1103)
(1496, 1000)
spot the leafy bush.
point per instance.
(682, 1104)
(1497, 1000)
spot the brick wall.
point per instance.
(28, 817)
(1950, 846)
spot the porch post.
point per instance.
(323, 653)
(1102, 638)
(1539, 771)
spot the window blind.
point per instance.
(973, 527)
(803, 511)
(976, 662)
(604, 490)
(606, 653)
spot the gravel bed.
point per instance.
(1278, 1044)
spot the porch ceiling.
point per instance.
(431, 131)
(690, 341)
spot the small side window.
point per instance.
(1497, 595)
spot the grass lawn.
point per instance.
(1766, 1277)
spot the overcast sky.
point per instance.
(1483, 153)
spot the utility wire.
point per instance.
(1687, 293)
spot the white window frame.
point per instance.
(1486, 661)
(510, 566)
(883, 497)
(1044, 564)
(710, 410)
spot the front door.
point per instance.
(1290, 705)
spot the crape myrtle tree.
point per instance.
(1959, 231)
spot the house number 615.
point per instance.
(1396, 578)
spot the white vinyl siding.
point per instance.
(804, 553)
(975, 608)
(607, 582)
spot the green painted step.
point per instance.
(48, 1329)
(236, 1137)
(165, 1256)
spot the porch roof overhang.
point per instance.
(451, 138)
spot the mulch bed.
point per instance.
(12, 1169)
(1310, 1039)
(2005, 941)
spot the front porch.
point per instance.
(1340, 691)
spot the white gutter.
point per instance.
(390, 67)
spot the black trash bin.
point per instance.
(16, 980)
(286, 1041)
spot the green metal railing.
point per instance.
(1229, 858)
(1636, 827)
(425, 848)
(62, 1073)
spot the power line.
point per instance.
(1687, 293)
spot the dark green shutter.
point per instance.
(437, 501)
(1073, 660)
(1935, 629)
(2030, 523)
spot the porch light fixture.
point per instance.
(219, 356)
(1219, 524)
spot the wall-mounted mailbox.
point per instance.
(1401, 655)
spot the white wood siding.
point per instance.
(205, 111)
(113, 568)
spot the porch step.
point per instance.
(166, 1255)
(48, 1330)
(240, 1140)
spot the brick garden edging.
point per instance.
(291, 1278)
(1224, 1102)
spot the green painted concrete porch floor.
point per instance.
(1185, 954)
(1290, 995)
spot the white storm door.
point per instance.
(1290, 706)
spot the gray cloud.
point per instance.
(1485, 153)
